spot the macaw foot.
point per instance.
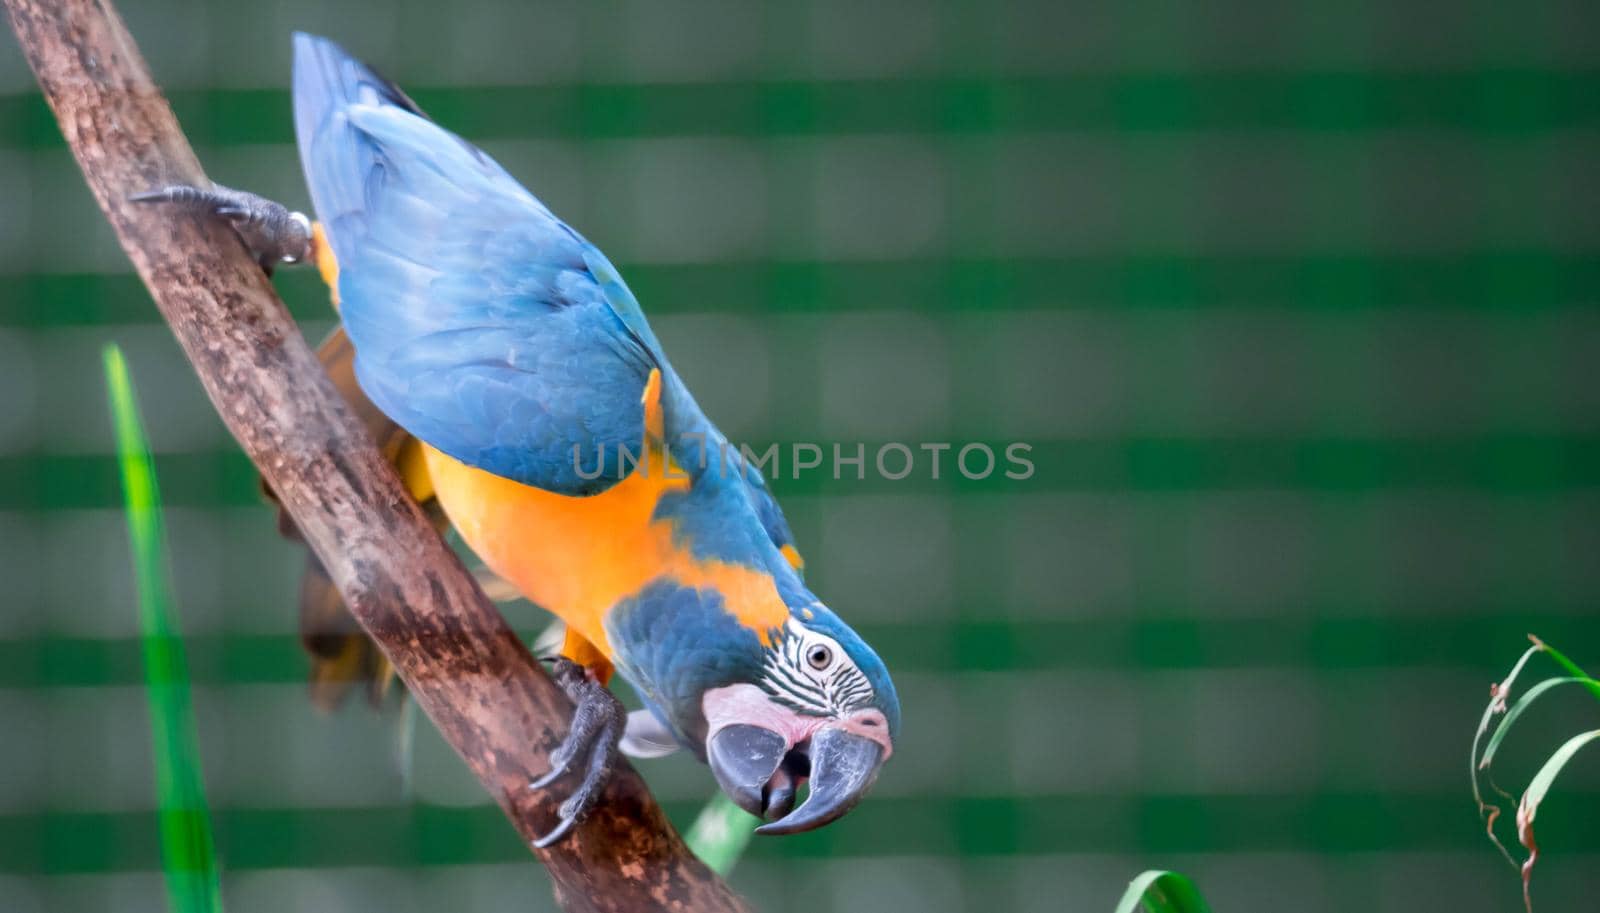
(591, 744)
(270, 230)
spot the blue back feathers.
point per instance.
(478, 321)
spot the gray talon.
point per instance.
(272, 232)
(597, 726)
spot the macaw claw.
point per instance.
(597, 727)
(273, 233)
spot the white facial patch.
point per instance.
(811, 673)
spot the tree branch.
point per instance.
(461, 661)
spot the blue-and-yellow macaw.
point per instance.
(503, 361)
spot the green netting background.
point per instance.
(1297, 305)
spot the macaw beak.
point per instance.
(758, 769)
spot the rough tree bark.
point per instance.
(456, 654)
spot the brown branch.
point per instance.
(456, 654)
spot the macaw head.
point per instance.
(821, 709)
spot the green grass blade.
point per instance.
(1162, 892)
(720, 834)
(1534, 796)
(1522, 704)
(1569, 665)
(187, 853)
(1540, 784)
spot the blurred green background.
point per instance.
(1297, 305)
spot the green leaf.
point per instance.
(1567, 664)
(187, 853)
(1522, 704)
(1529, 806)
(1540, 784)
(720, 834)
(1162, 892)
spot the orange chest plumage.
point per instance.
(579, 556)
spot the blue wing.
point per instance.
(483, 325)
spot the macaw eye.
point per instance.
(819, 656)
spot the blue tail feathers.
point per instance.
(334, 155)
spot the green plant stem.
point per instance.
(187, 852)
(720, 834)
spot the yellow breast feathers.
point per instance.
(579, 556)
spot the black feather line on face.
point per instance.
(797, 682)
(799, 704)
(852, 689)
(848, 702)
(789, 691)
(850, 677)
(792, 647)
